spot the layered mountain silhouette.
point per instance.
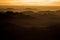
(28, 25)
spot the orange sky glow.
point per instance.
(30, 2)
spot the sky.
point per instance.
(30, 2)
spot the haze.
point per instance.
(30, 2)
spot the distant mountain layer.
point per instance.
(29, 8)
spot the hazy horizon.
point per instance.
(32, 8)
(30, 2)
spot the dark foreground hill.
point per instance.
(19, 26)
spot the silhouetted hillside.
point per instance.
(10, 14)
(28, 25)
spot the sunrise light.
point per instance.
(30, 2)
